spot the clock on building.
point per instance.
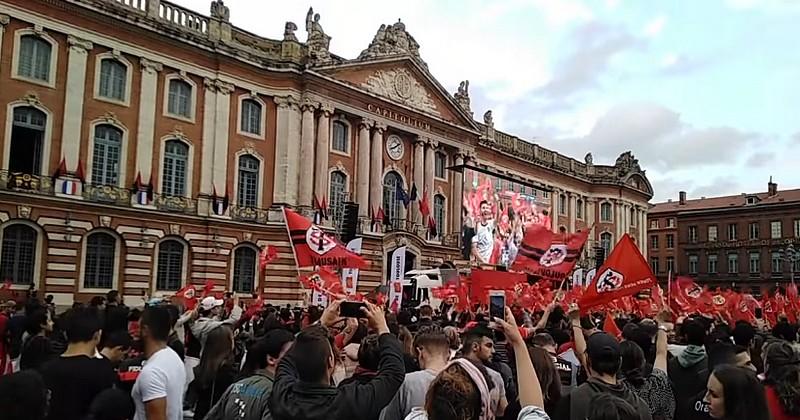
(395, 147)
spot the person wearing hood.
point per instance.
(603, 359)
(688, 371)
(211, 311)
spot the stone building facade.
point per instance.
(146, 146)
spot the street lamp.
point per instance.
(792, 256)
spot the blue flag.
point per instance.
(401, 195)
(413, 192)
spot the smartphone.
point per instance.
(352, 309)
(759, 313)
(497, 304)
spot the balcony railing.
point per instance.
(175, 204)
(109, 194)
(29, 183)
(248, 214)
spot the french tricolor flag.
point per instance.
(141, 198)
(69, 187)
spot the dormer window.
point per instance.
(752, 199)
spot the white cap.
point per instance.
(209, 302)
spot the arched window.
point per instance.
(562, 204)
(113, 78)
(106, 155)
(251, 117)
(101, 248)
(338, 189)
(27, 140)
(18, 256)
(391, 203)
(180, 98)
(440, 165)
(170, 265)
(248, 181)
(34, 58)
(244, 269)
(579, 209)
(605, 212)
(605, 242)
(176, 163)
(340, 137)
(438, 214)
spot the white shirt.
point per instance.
(163, 376)
(484, 240)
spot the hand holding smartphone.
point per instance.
(352, 309)
(497, 304)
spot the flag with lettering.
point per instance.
(624, 273)
(314, 247)
(549, 255)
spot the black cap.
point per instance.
(602, 346)
(274, 340)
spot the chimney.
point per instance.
(682, 197)
(772, 188)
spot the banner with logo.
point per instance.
(549, 255)
(314, 247)
(577, 277)
(589, 277)
(397, 266)
(350, 275)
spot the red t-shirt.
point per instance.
(774, 404)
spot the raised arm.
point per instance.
(530, 391)
(661, 339)
(577, 332)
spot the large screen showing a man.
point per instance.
(496, 213)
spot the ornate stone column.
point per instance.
(323, 145)
(430, 159)
(457, 198)
(306, 188)
(419, 176)
(73, 104)
(363, 168)
(591, 208)
(554, 209)
(4, 20)
(376, 168)
(209, 133)
(285, 161)
(146, 129)
(572, 210)
(221, 129)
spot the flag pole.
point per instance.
(291, 243)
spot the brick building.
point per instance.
(181, 136)
(743, 240)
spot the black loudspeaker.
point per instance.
(599, 256)
(349, 222)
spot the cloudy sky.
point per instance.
(704, 93)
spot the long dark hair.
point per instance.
(217, 351)
(547, 374)
(633, 363)
(782, 372)
(743, 394)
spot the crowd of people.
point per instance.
(218, 360)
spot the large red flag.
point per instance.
(688, 297)
(548, 255)
(610, 327)
(624, 273)
(313, 247)
(188, 295)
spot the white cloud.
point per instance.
(669, 59)
(654, 27)
(613, 4)
(561, 12)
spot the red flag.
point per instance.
(424, 208)
(380, 215)
(254, 307)
(624, 273)
(793, 305)
(686, 296)
(61, 170)
(137, 183)
(79, 171)
(208, 287)
(432, 227)
(6, 285)
(548, 255)
(611, 327)
(268, 253)
(324, 207)
(313, 247)
(188, 294)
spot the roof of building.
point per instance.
(730, 201)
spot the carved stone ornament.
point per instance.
(588, 159)
(462, 96)
(149, 66)
(178, 133)
(220, 11)
(175, 229)
(392, 40)
(4, 19)
(105, 221)
(318, 42)
(32, 98)
(24, 212)
(110, 118)
(626, 164)
(79, 45)
(288, 32)
(400, 86)
(248, 236)
(487, 118)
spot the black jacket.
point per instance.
(293, 399)
(687, 383)
(575, 406)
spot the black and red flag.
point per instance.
(314, 247)
(549, 255)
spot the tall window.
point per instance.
(775, 229)
(605, 242)
(176, 164)
(776, 263)
(340, 137)
(653, 241)
(247, 195)
(18, 257)
(440, 165)
(391, 204)
(633, 217)
(34, 58)
(562, 204)
(113, 78)
(170, 265)
(251, 117)
(99, 269)
(670, 241)
(797, 228)
(712, 264)
(670, 223)
(579, 209)
(338, 188)
(692, 234)
(605, 212)
(180, 98)
(693, 264)
(106, 155)
(27, 140)
(438, 213)
(671, 265)
(712, 233)
(755, 262)
(753, 230)
(732, 232)
(733, 263)
(654, 264)
(244, 269)
(654, 224)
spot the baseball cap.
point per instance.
(274, 340)
(602, 346)
(209, 302)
